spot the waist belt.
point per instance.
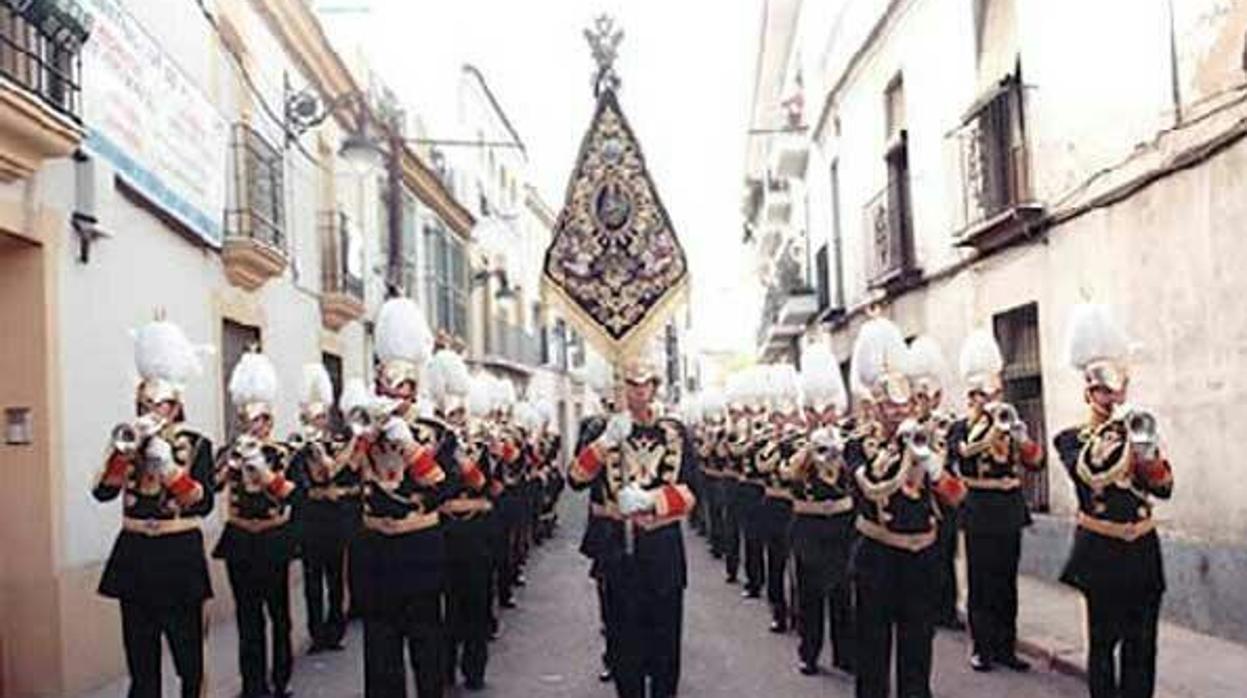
(259, 525)
(711, 472)
(395, 527)
(158, 527)
(466, 507)
(829, 507)
(333, 493)
(778, 493)
(996, 484)
(647, 522)
(912, 542)
(1127, 531)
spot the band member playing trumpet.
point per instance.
(991, 448)
(1117, 467)
(898, 489)
(258, 541)
(822, 530)
(398, 561)
(157, 569)
(329, 514)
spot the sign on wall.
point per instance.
(152, 123)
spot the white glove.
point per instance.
(1019, 432)
(825, 445)
(617, 429)
(934, 466)
(397, 432)
(158, 451)
(633, 499)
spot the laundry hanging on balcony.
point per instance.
(614, 264)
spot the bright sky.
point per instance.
(687, 68)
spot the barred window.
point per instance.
(1017, 330)
(259, 171)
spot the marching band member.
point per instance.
(732, 450)
(258, 541)
(992, 447)
(752, 490)
(822, 530)
(928, 373)
(898, 519)
(710, 436)
(775, 515)
(639, 464)
(329, 514)
(157, 569)
(510, 458)
(467, 520)
(398, 560)
(1116, 464)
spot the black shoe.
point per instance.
(507, 603)
(1014, 662)
(779, 627)
(951, 624)
(846, 667)
(716, 554)
(980, 663)
(605, 676)
(316, 648)
(474, 684)
(808, 668)
(521, 581)
(731, 579)
(282, 692)
(751, 594)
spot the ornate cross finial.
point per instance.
(604, 40)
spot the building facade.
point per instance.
(994, 162)
(151, 164)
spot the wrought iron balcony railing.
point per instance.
(40, 50)
(259, 212)
(336, 251)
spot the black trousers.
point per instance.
(416, 624)
(892, 599)
(648, 623)
(992, 564)
(776, 529)
(732, 527)
(260, 589)
(467, 599)
(824, 608)
(1124, 623)
(946, 611)
(751, 528)
(324, 571)
(142, 624)
(610, 623)
(714, 513)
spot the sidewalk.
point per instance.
(1051, 628)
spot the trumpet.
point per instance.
(1141, 431)
(127, 437)
(941, 421)
(1004, 416)
(917, 441)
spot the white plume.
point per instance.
(525, 416)
(162, 351)
(691, 408)
(820, 378)
(599, 375)
(926, 360)
(504, 394)
(879, 349)
(980, 355)
(402, 333)
(316, 385)
(253, 380)
(1094, 334)
(446, 375)
(545, 410)
(354, 394)
(783, 386)
(480, 396)
(713, 403)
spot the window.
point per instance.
(236, 339)
(992, 153)
(40, 49)
(848, 385)
(333, 365)
(259, 189)
(888, 215)
(822, 278)
(1017, 330)
(446, 281)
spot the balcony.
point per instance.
(255, 243)
(511, 348)
(342, 291)
(41, 65)
(994, 168)
(890, 260)
(778, 201)
(790, 155)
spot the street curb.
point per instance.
(1042, 653)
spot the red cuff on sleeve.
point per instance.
(1155, 472)
(1032, 454)
(185, 489)
(279, 486)
(424, 467)
(674, 500)
(509, 452)
(950, 489)
(587, 465)
(472, 475)
(116, 469)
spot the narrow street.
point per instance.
(550, 644)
